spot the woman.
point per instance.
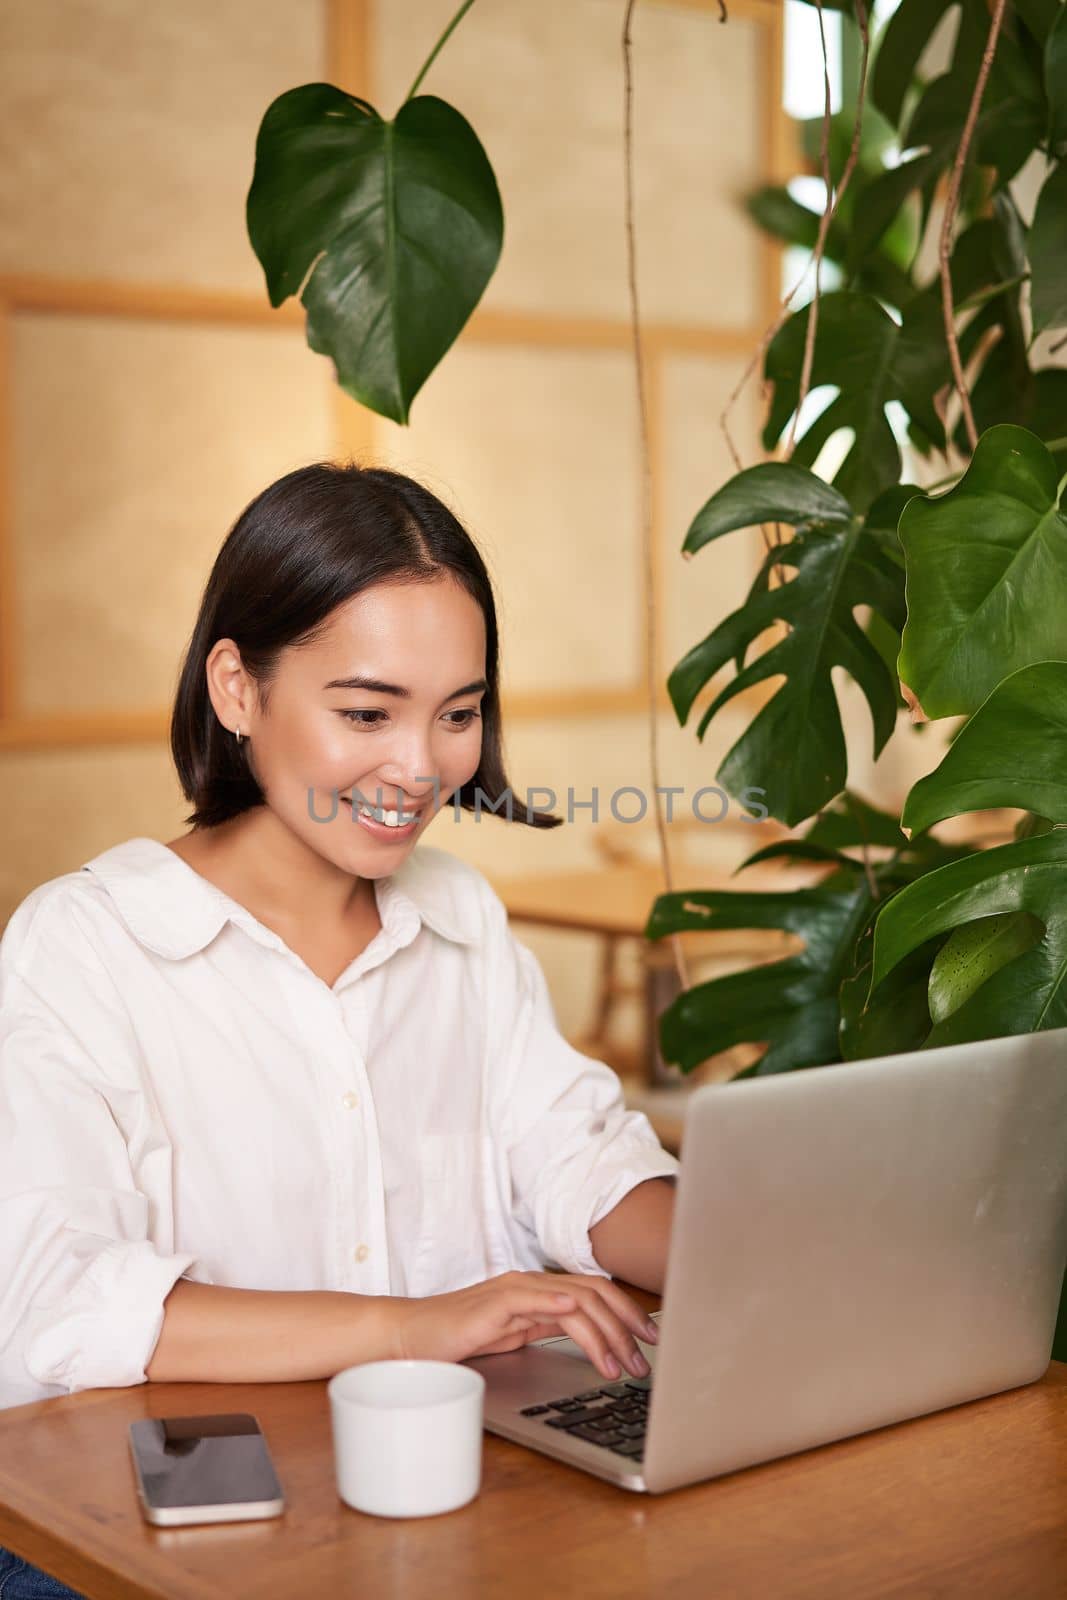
(285, 1093)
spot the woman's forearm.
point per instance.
(632, 1241)
(214, 1334)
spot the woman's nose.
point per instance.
(414, 770)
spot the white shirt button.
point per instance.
(361, 1252)
(351, 1100)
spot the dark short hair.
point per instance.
(302, 547)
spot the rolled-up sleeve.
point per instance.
(82, 1285)
(574, 1150)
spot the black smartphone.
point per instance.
(204, 1469)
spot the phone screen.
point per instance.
(185, 1464)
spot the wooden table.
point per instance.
(971, 1502)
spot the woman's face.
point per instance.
(320, 745)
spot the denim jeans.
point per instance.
(20, 1581)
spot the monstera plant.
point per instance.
(952, 602)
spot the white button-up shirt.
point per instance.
(181, 1096)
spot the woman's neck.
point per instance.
(260, 863)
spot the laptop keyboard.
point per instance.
(614, 1416)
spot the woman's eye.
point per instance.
(356, 717)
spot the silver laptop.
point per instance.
(852, 1246)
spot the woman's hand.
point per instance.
(508, 1311)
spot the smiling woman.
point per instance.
(286, 1093)
(274, 734)
(338, 565)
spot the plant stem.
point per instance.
(432, 57)
(951, 207)
(647, 526)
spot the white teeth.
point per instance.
(392, 819)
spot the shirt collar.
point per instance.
(173, 910)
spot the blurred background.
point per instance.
(149, 391)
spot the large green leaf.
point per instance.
(870, 360)
(791, 1005)
(775, 491)
(987, 575)
(808, 1008)
(972, 954)
(1011, 752)
(839, 565)
(1048, 253)
(1030, 991)
(400, 224)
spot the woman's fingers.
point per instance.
(605, 1341)
(531, 1300)
(627, 1310)
(617, 1339)
(619, 1318)
(590, 1309)
(522, 1300)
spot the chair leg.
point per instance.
(661, 986)
(607, 986)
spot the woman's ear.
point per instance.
(230, 688)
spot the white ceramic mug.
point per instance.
(407, 1436)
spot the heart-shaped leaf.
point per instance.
(987, 575)
(400, 223)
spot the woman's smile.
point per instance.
(391, 830)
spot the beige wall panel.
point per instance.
(127, 132)
(62, 807)
(699, 593)
(542, 85)
(135, 447)
(535, 450)
(607, 753)
(912, 752)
